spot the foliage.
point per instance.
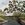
(19, 15)
(5, 9)
(16, 14)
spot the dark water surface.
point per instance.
(11, 22)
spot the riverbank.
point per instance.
(2, 21)
(23, 21)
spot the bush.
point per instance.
(17, 14)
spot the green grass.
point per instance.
(4, 17)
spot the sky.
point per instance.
(3, 3)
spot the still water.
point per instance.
(11, 22)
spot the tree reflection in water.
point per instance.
(19, 21)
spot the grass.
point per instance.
(4, 17)
(1, 19)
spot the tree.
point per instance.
(5, 9)
(14, 2)
(24, 4)
(20, 4)
(10, 6)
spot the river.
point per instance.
(11, 22)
